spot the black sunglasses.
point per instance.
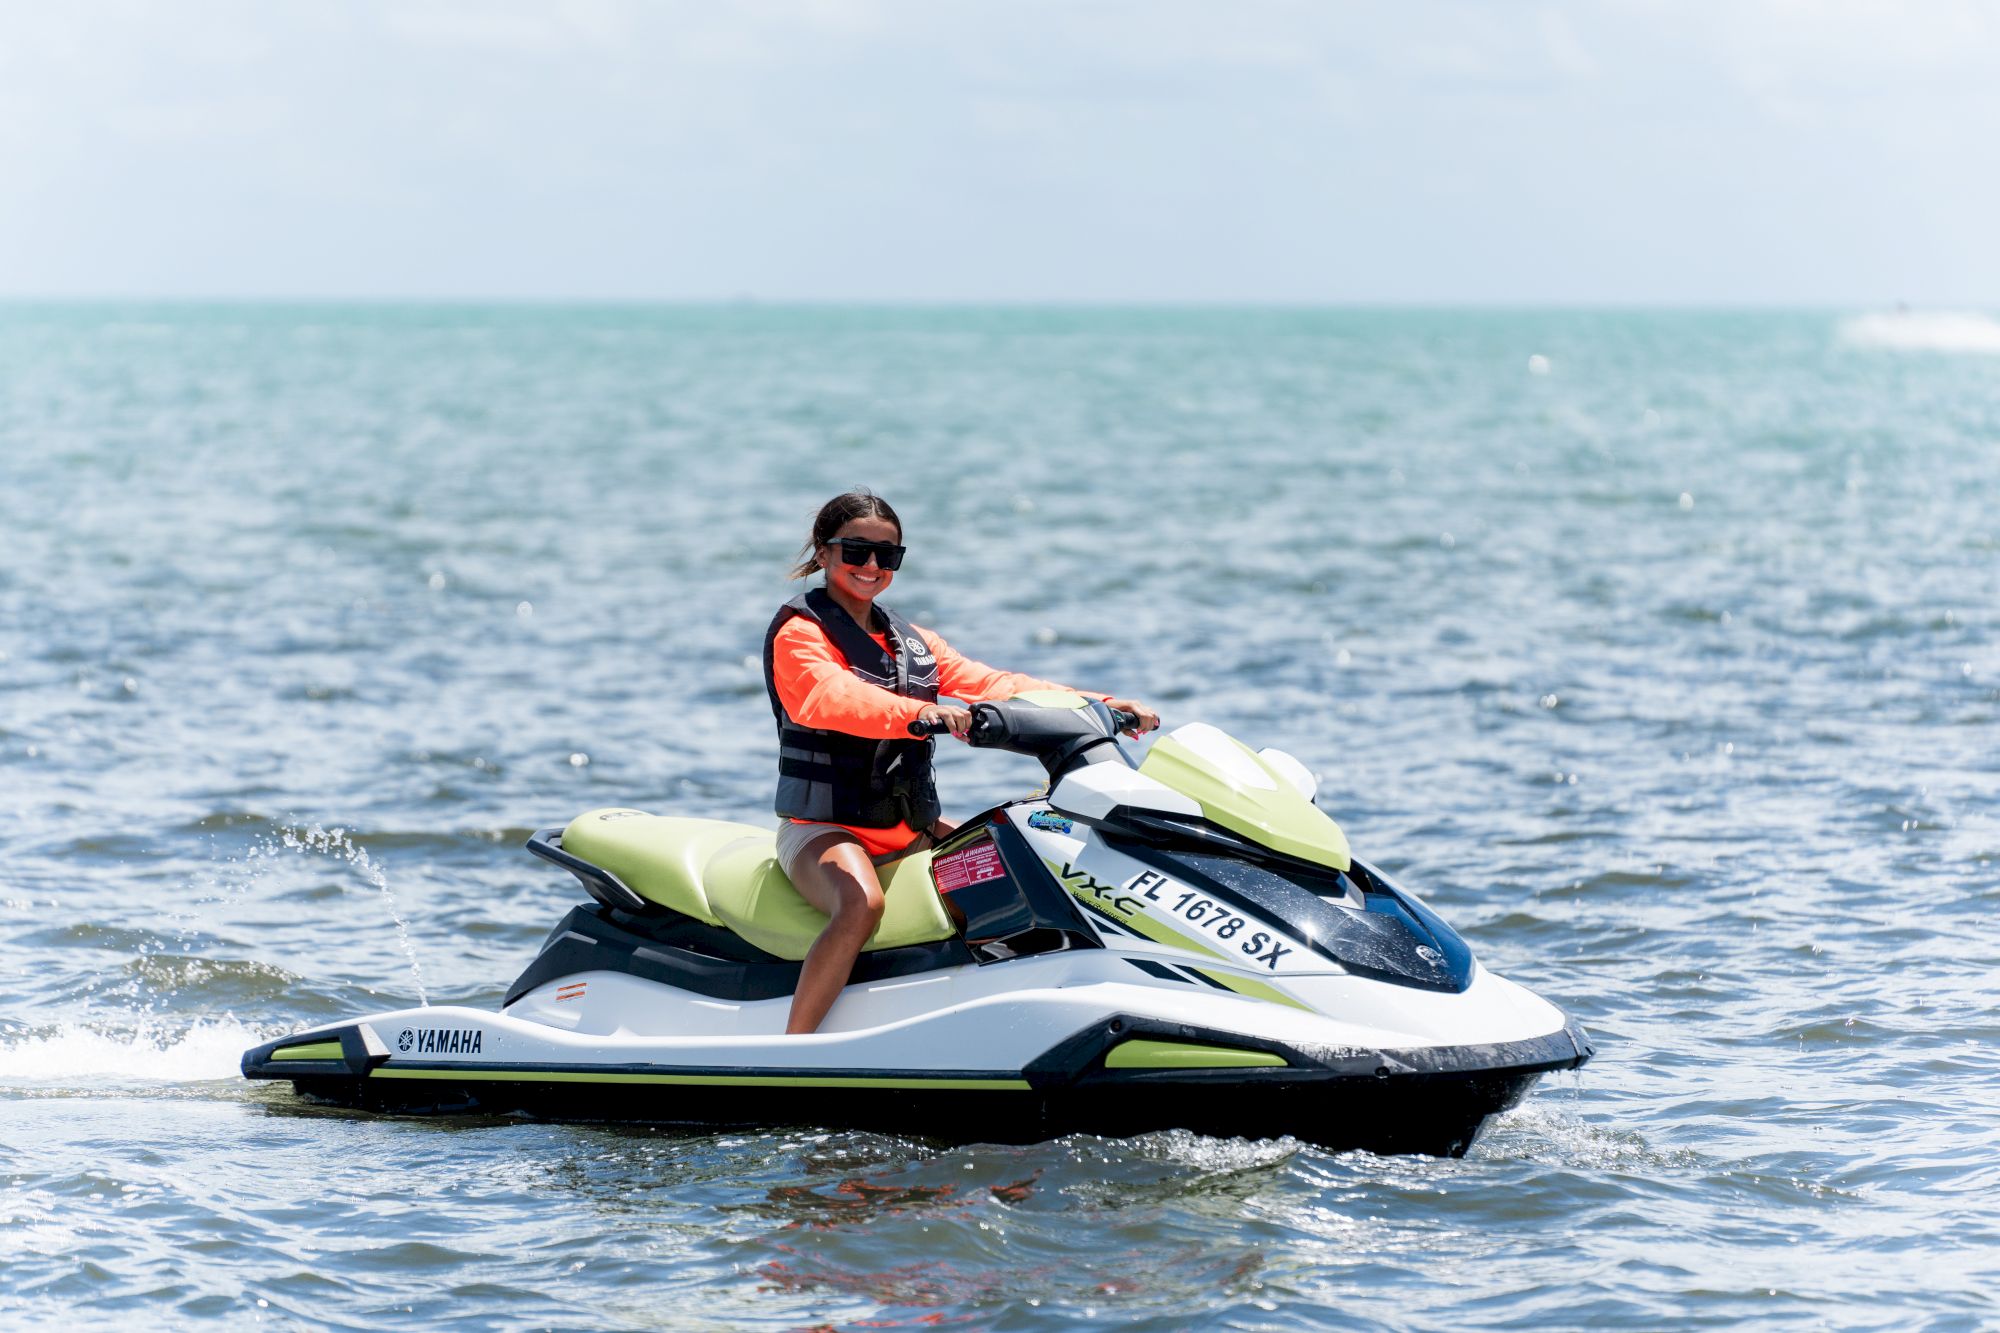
(855, 551)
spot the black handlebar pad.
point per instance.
(1126, 722)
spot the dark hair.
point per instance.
(834, 515)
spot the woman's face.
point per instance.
(863, 583)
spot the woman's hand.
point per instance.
(958, 719)
(1148, 719)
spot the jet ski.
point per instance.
(1183, 941)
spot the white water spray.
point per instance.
(155, 1051)
(335, 842)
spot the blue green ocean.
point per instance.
(1659, 651)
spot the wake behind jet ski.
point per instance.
(1183, 942)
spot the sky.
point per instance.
(1627, 152)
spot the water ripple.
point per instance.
(1671, 677)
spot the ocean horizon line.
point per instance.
(973, 304)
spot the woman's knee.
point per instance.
(860, 902)
(851, 882)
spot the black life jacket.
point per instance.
(832, 777)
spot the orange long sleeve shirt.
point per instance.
(818, 691)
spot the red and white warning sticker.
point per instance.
(968, 866)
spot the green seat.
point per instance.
(659, 859)
(727, 874)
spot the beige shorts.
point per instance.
(796, 839)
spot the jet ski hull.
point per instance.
(1432, 1101)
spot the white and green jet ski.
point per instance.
(1179, 943)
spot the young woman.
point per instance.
(846, 677)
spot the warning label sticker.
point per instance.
(971, 865)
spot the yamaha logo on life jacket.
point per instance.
(920, 652)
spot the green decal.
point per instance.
(1276, 816)
(472, 1075)
(1148, 1054)
(1256, 990)
(318, 1050)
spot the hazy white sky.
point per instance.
(1631, 151)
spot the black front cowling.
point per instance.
(1391, 937)
(1421, 924)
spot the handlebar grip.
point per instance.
(923, 728)
(1126, 721)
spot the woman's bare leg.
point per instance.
(836, 876)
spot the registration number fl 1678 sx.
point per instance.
(1153, 893)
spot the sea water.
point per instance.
(1661, 652)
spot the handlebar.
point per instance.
(1127, 723)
